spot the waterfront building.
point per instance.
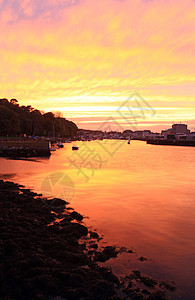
(175, 132)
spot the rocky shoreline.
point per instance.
(42, 255)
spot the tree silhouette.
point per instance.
(9, 123)
(16, 119)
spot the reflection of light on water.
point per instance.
(58, 185)
(142, 197)
(7, 176)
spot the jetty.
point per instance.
(24, 148)
(172, 142)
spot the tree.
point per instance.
(49, 123)
(4, 101)
(27, 120)
(58, 114)
(37, 122)
(9, 122)
(14, 101)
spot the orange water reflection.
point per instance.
(142, 196)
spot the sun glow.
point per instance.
(87, 57)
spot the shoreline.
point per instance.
(42, 255)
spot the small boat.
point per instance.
(51, 147)
(75, 148)
(60, 145)
(129, 141)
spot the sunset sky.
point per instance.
(86, 58)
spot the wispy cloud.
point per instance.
(83, 51)
(15, 10)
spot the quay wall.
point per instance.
(24, 148)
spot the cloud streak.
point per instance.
(16, 11)
(85, 51)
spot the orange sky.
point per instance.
(86, 58)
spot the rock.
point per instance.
(110, 251)
(75, 215)
(93, 245)
(167, 285)
(149, 282)
(102, 290)
(142, 258)
(56, 203)
(106, 254)
(66, 220)
(94, 235)
(48, 262)
(145, 292)
(99, 256)
(130, 251)
(159, 295)
(36, 222)
(81, 229)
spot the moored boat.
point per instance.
(75, 147)
(51, 147)
(60, 145)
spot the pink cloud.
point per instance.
(98, 48)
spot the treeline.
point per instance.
(16, 120)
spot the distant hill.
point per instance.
(16, 120)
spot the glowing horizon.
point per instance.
(86, 58)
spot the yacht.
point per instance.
(60, 145)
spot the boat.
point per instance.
(51, 147)
(129, 141)
(60, 145)
(75, 148)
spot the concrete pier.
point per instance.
(24, 148)
(172, 142)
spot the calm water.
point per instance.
(139, 196)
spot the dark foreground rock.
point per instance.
(107, 253)
(42, 258)
(38, 261)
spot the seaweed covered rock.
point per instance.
(106, 254)
(41, 259)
